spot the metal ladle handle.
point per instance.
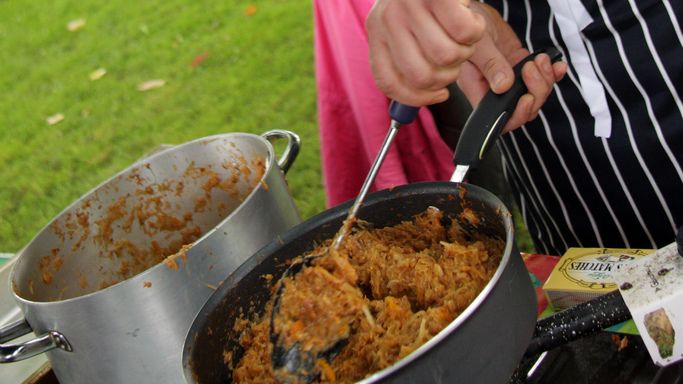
(21, 351)
(400, 114)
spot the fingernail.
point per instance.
(498, 80)
(440, 96)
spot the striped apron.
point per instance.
(602, 164)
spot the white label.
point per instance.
(652, 288)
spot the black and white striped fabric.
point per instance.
(601, 166)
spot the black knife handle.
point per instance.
(486, 122)
(578, 321)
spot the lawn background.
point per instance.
(230, 66)
(256, 75)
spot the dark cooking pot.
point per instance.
(482, 345)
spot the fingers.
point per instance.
(425, 64)
(389, 79)
(493, 65)
(443, 47)
(559, 70)
(522, 113)
(539, 76)
(472, 83)
(418, 46)
(458, 20)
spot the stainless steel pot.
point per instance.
(96, 285)
(482, 345)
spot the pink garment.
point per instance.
(353, 113)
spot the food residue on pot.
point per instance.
(468, 215)
(267, 277)
(171, 261)
(50, 264)
(135, 222)
(84, 225)
(82, 281)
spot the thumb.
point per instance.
(493, 65)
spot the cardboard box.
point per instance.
(583, 274)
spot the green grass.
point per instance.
(258, 76)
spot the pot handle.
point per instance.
(16, 352)
(573, 323)
(291, 151)
(583, 319)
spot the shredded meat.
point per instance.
(316, 308)
(388, 290)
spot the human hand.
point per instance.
(418, 46)
(490, 67)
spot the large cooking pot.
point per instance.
(95, 284)
(482, 345)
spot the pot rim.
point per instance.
(270, 164)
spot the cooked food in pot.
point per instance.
(387, 290)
